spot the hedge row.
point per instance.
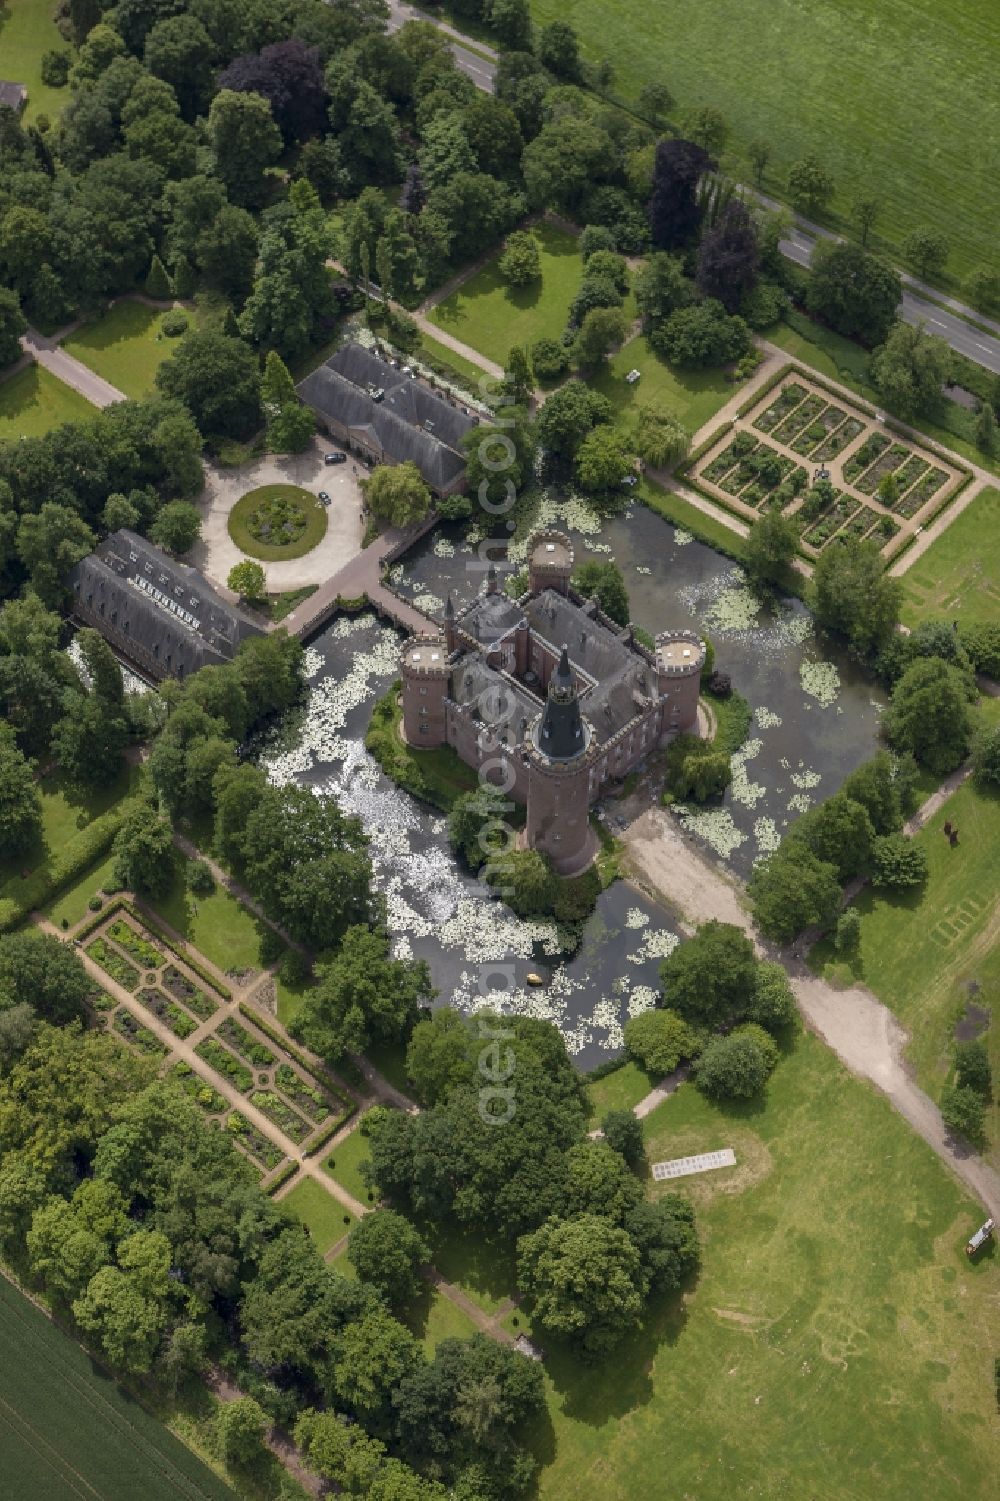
(148, 921)
(328, 1131)
(315, 1071)
(67, 864)
(281, 1178)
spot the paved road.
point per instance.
(920, 302)
(481, 70)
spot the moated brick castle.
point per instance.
(548, 698)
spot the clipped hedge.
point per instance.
(328, 1131)
(280, 1178)
(67, 864)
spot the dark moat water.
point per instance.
(815, 719)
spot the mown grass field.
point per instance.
(65, 811)
(898, 98)
(126, 346)
(33, 402)
(958, 577)
(67, 1431)
(836, 1344)
(490, 316)
(921, 950)
(325, 1217)
(344, 1161)
(27, 31)
(217, 925)
(692, 396)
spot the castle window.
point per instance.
(114, 617)
(423, 729)
(423, 692)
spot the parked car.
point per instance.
(325, 499)
(335, 458)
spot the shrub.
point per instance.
(595, 237)
(848, 931)
(764, 305)
(175, 323)
(963, 1112)
(95, 904)
(972, 1067)
(549, 359)
(659, 1040)
(55, 67)
(737, 1066)
(986, 756)
(772, 1004)
(199, 878)
(623, 1134)
(898, 861)
(294, 968)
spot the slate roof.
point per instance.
(410, 422)
(13, 95)
(131, 589)
(615, 677)
(516, 708)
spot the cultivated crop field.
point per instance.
(891, 96)
(67, 1431)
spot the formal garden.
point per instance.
(276, 522)
(835, 468)
(173, 993)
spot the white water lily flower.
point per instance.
(765, 831)
(821, 681)
(714, 826)
(636, 918)
(766, 719)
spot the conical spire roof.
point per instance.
(560, 734)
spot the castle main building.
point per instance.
(547, 698)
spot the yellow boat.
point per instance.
(534, 979)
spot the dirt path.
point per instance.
(854, 1023)
(278, 1441)
(441, 336)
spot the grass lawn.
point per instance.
(218, 926)
(692, 396)
(443, 356)
(836, 1329)
(682, 513)
(125, 346)
(70, 1431)
(958, 577)
(324, 1215)
(27, 31)
(921, 950)
(65, 811)
(280, 605)
(273, 506)
(435, 1317)
(846, 81)
(620, 1090)
(491, 316)
(71, 902)
(483, 1271)
(33, 402)
(343, 1163)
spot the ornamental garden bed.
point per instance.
(871, 449)
(921, 493)
(133, 1032)
(113, 964)
(914, 468)
(304, 1097)
(168, 1011)
(203, 1093)
(843, 508)
(838, 440)
(139, 949)
(284, 1117)
(820, 428)
(277, 521)
(244, 1043)
(783, 405)
(254, 1142)
(224, 1063)
(888, 463)
(800, 418)
(182, 989)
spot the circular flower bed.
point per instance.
(277, 521)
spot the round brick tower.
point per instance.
(550, 561)
(680, 656)
(559, 757)
(423, 667)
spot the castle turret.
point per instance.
(423, 667)
(559, 751)
(680, 656)
(550, 561)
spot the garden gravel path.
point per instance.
(72, 372)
